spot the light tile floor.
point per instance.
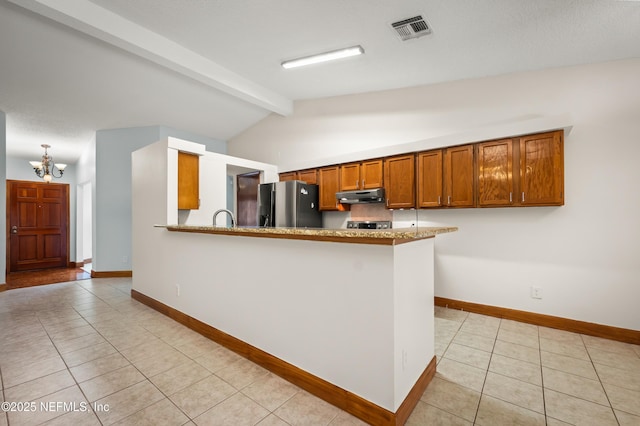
(70, 351)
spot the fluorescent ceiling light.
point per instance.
(324, 57)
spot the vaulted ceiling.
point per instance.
(212, 67)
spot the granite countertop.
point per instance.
(357, 236)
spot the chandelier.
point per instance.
(46, 168)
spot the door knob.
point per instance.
(14, 229)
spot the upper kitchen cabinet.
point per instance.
(188, 181)
(495, 173)
(329, 184)
(459, 182)
(429, 183)
(288, 176)
(542, 169)
(310, 176)
(525, 171)
(400, 181)
(361, 175)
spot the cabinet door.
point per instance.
(495, 173)
(458, 176)
(371, 174)
(288, 176)
(309, 176)
(329, 181)
(350, 177)
(542, 169)
(399, 181)
(188, 181)
(430, 179)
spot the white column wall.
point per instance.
(3, 196)
(413, 312)
(583, 255)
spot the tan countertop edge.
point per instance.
(351, 236)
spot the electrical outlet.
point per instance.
(536, 292)
(125, 259)
(177, 289)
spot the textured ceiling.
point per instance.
(59, 85)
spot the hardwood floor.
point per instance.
(45, 276)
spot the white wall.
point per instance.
(190, 271)
(583, 255)
(3, 196)
(20, 169)
(85, 177)
(112, 195)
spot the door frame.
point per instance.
(66, 218)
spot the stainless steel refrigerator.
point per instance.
(289, 204)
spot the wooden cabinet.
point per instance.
(188, 181)
(525, 171)
(400, 181)
(459, 176)
(361, 175)
(495, 173)
(288, 176)
(520, 171)
(329, 184)
(429, 184)
(371, 174)
(541, 169)
(309, 176)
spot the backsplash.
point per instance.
(406, 218)
(373, 211)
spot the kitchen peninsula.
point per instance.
(344, 314)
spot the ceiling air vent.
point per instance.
(411, 28)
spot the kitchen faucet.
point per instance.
(229, 212)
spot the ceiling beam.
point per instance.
(109, 27)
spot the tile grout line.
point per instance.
(487, 372)
(544, 394)
(599, 379)
(131, 364)
(445, 351)
(67, 367)
(238, 391)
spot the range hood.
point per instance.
(359, 197)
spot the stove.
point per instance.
(368, 224)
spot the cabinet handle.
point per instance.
(523, 196)
(511, 197)
(357, 184)
(362, 183)
(387, 202)
(449, 200)
(439, 203)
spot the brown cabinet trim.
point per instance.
(341, 398)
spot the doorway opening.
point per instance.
(37, 234)
(247, 198)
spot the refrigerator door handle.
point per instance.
(272, 209)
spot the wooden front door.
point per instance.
(37, 223)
